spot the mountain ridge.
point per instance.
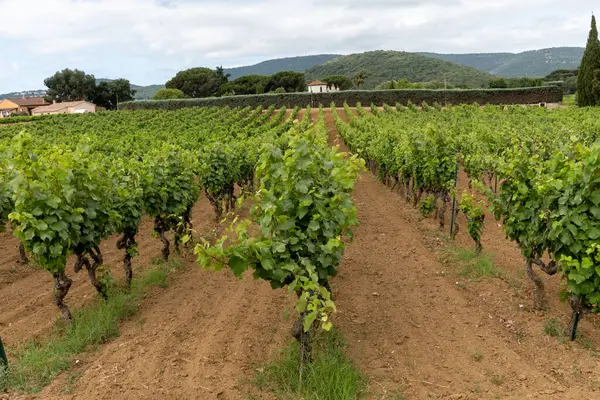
(530, 63)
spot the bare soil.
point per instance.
(412, 322)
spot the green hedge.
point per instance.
(365, 97)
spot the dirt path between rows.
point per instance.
(411, 323)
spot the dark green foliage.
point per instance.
(168, 94)
(249, 84)
(70, 85)
(109, 93)
(561, 74)
(498, 83)
(589, 64)
(381, 66)
(565, 78)
(359, 78)
(378, 97)
(339, 81)
(270, 67)
(289, 80)
(197, 82)
(502, 83)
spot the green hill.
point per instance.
(382, 66)
(533, 63)
(146, 92)
(270, 67)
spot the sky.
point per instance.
(148, 41)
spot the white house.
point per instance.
(68, 107)
(321, 87)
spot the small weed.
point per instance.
(397, 394)
(72, 378)
(473, 267)
(496, 379)
(585, 342)
(554, 328)
(477, 356)
(520, 335)
(595, 385)
(330, 376)
(576, 369)
(569, 100)
(477, 388)
(411, 365)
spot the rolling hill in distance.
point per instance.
(270, 67)
(532, 64)
(472, 69)
(383, 66)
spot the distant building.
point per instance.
(68, 107)
(23, 105)
(321, 87)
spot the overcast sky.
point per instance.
(148, 41)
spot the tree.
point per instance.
(196, 82)
(70, 85)
(339, 81)
(289, 80)
(166, 94)
(222, 77)
(248, 84)
(108, 94)
(498, 83)
(359, 78)
(589, 64)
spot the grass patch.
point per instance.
(585, 342)
(331, 375)
(554, 328)
(472, 266)
(477, 356)
(496, 379)
(35, 364)
(569, 99)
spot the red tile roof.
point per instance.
(29, 101)
(317, 83)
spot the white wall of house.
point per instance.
(83, 107)
(322, 89)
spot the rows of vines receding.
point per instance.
(67, 183)
(539, 170)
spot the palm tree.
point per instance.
(359, 78)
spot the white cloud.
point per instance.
(173, 34)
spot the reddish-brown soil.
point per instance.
(412, 322)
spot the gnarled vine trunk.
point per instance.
(23, 259)
(161, 227)
(303, 339)
(127, 243)
(217, 204)
(538, 292)
(62, 284)
(92, 267)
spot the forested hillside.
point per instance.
(270, 67)
(382, 66)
